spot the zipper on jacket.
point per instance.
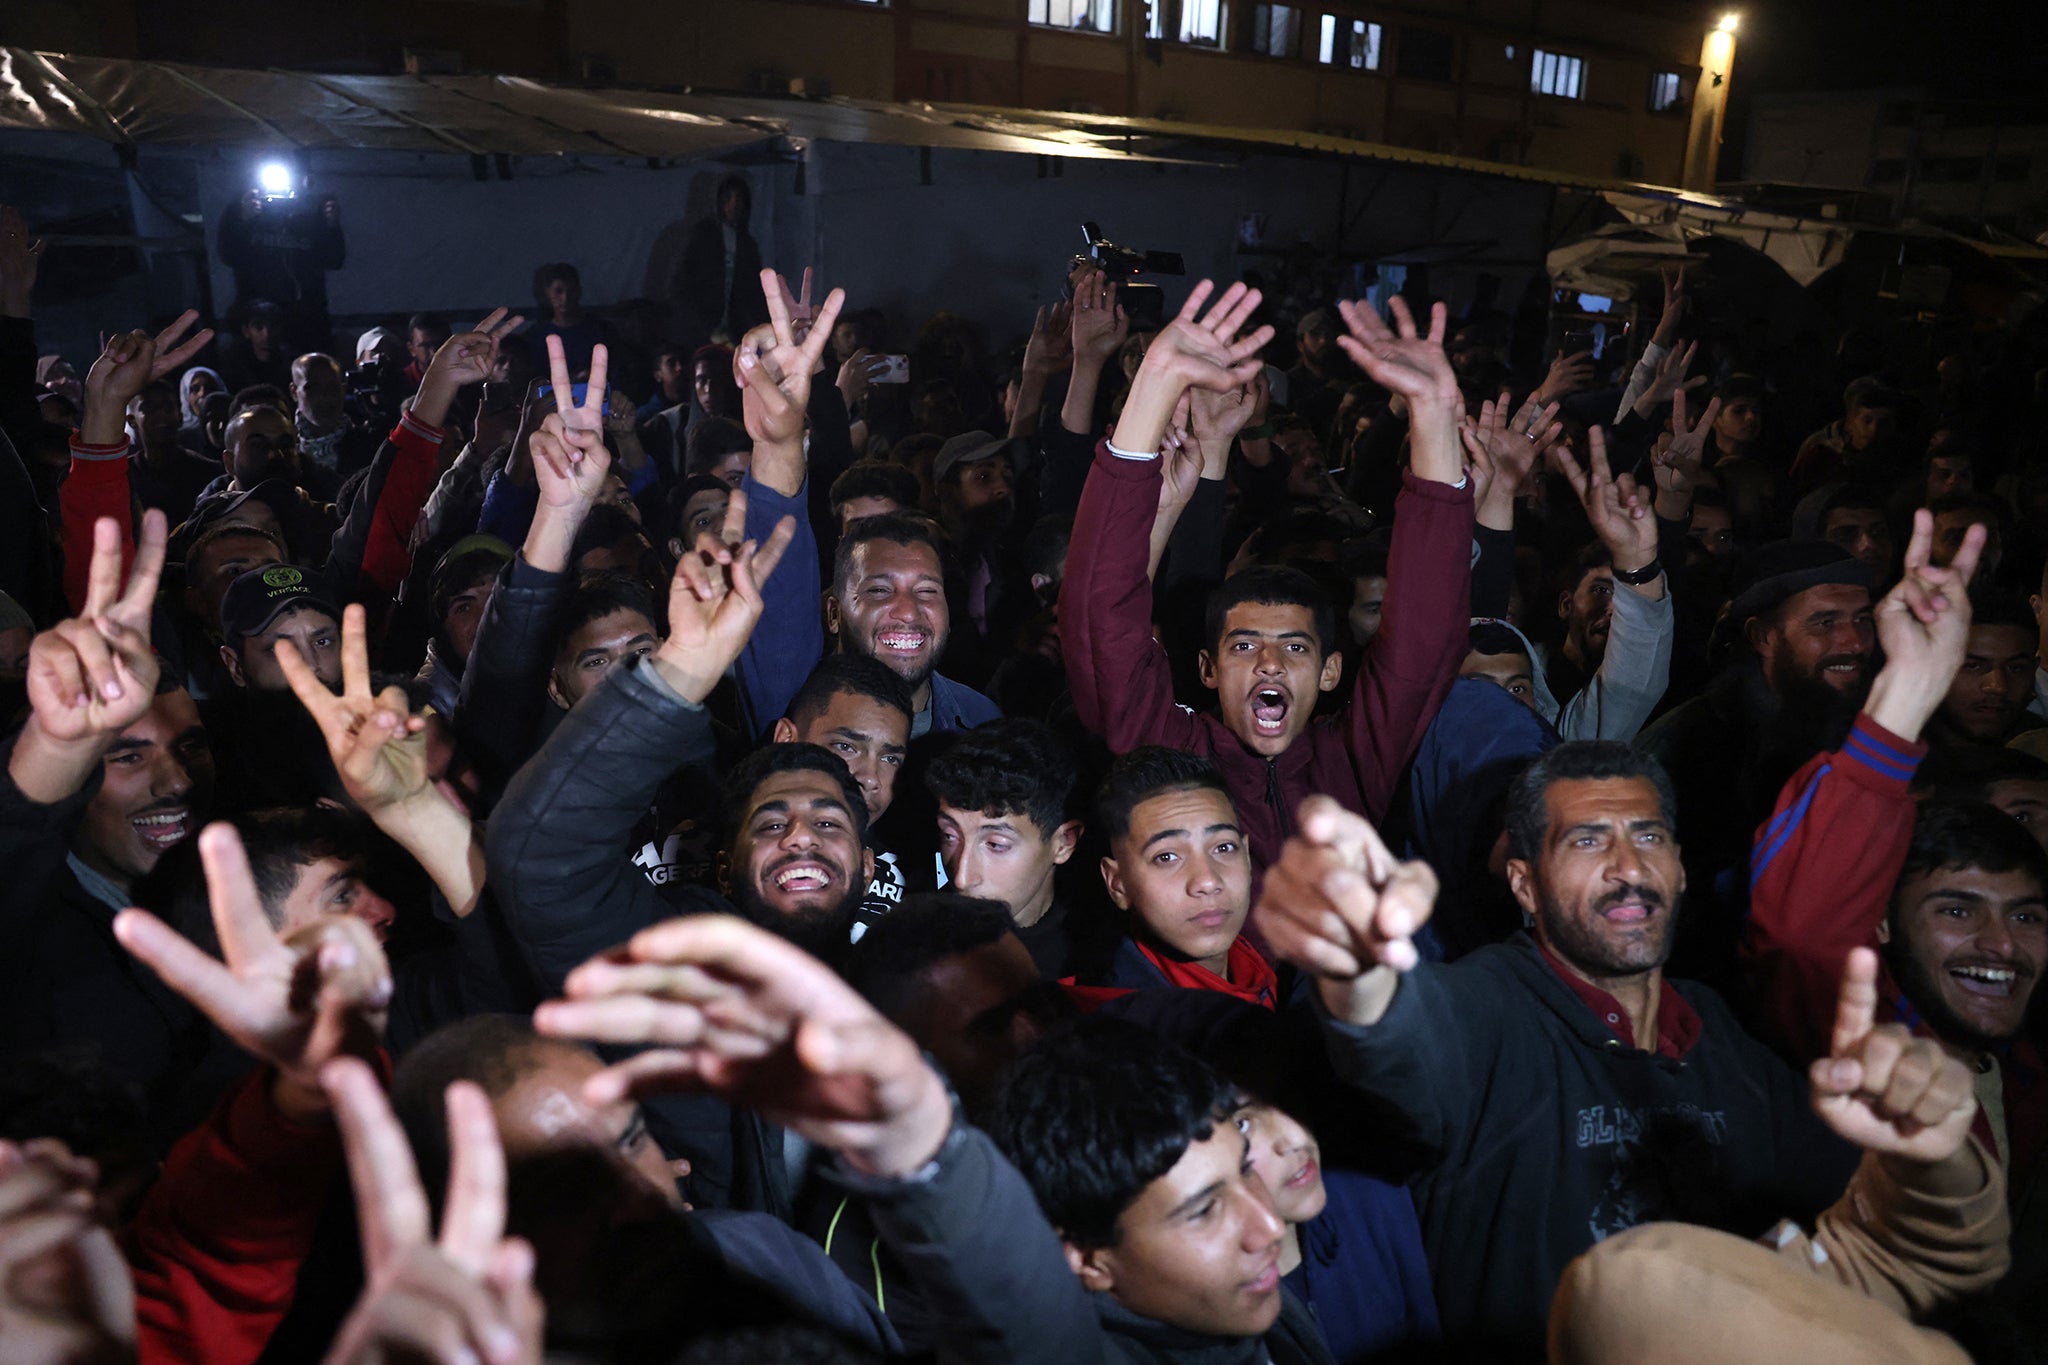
(1273, 797)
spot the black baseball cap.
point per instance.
(263, 594)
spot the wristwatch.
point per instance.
(1636, 578)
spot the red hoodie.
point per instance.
(1123, 685)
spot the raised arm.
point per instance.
(1341, 908)
(1636, 667)
(1046, 353)
(1823, 867)
(774, 367)
(93, 676)
(1122, 684)
(380, 750)
(725, 1007)
(465, 358)
(97, 486)
(1413, 659)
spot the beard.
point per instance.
(822, 932)
(1576, 939)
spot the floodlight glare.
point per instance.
(274, 178)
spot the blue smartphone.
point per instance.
(577, 393)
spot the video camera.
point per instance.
(1143, 304)
(373, 392)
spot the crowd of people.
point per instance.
(1297, 838)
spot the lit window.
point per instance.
(1667, 91)
(1276, 30)
(1083, 16)
(1201, 21)
(1349, 42)
(1554, 74)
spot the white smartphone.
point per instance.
(893, 369)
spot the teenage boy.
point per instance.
(1007, 827)
(1179, 868)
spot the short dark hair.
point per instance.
(768, 760)
(263, 396)
(1968, 772)
(1982, 507)
(928, 927)
(898, 528)
(279, 841)
(1579, 760)
(599, 596)
(1146, 772)
(874, 479)
(1590, 557)
(545, 275)
(1093, 1115)
(1015, 766)
(711, 440)
(1992, 605)
(605, 525)
(433, 324)
(1271, 586)
(1975, 834)
(1364, 557)
(488, 1050)
(854, 674)
(457, 574)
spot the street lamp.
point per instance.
(1710, 104)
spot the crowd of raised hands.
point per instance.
(697, 710)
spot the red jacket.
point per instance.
(1821, 879)
(217, 1244)
(1122, 683)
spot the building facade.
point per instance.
(1928, 157)
(1589, 87)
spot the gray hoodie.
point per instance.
(1631, 679)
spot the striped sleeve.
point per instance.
(1821, 875)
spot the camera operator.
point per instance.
(281, 247)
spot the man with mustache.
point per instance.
(1953, 894)
(1803, 608)
(1557, 1088)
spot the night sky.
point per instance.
(1992, 50)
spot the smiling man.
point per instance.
(107, 775)
(796, 860)
(1179, 869)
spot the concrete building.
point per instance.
(1928, 157)
(1586, 87)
